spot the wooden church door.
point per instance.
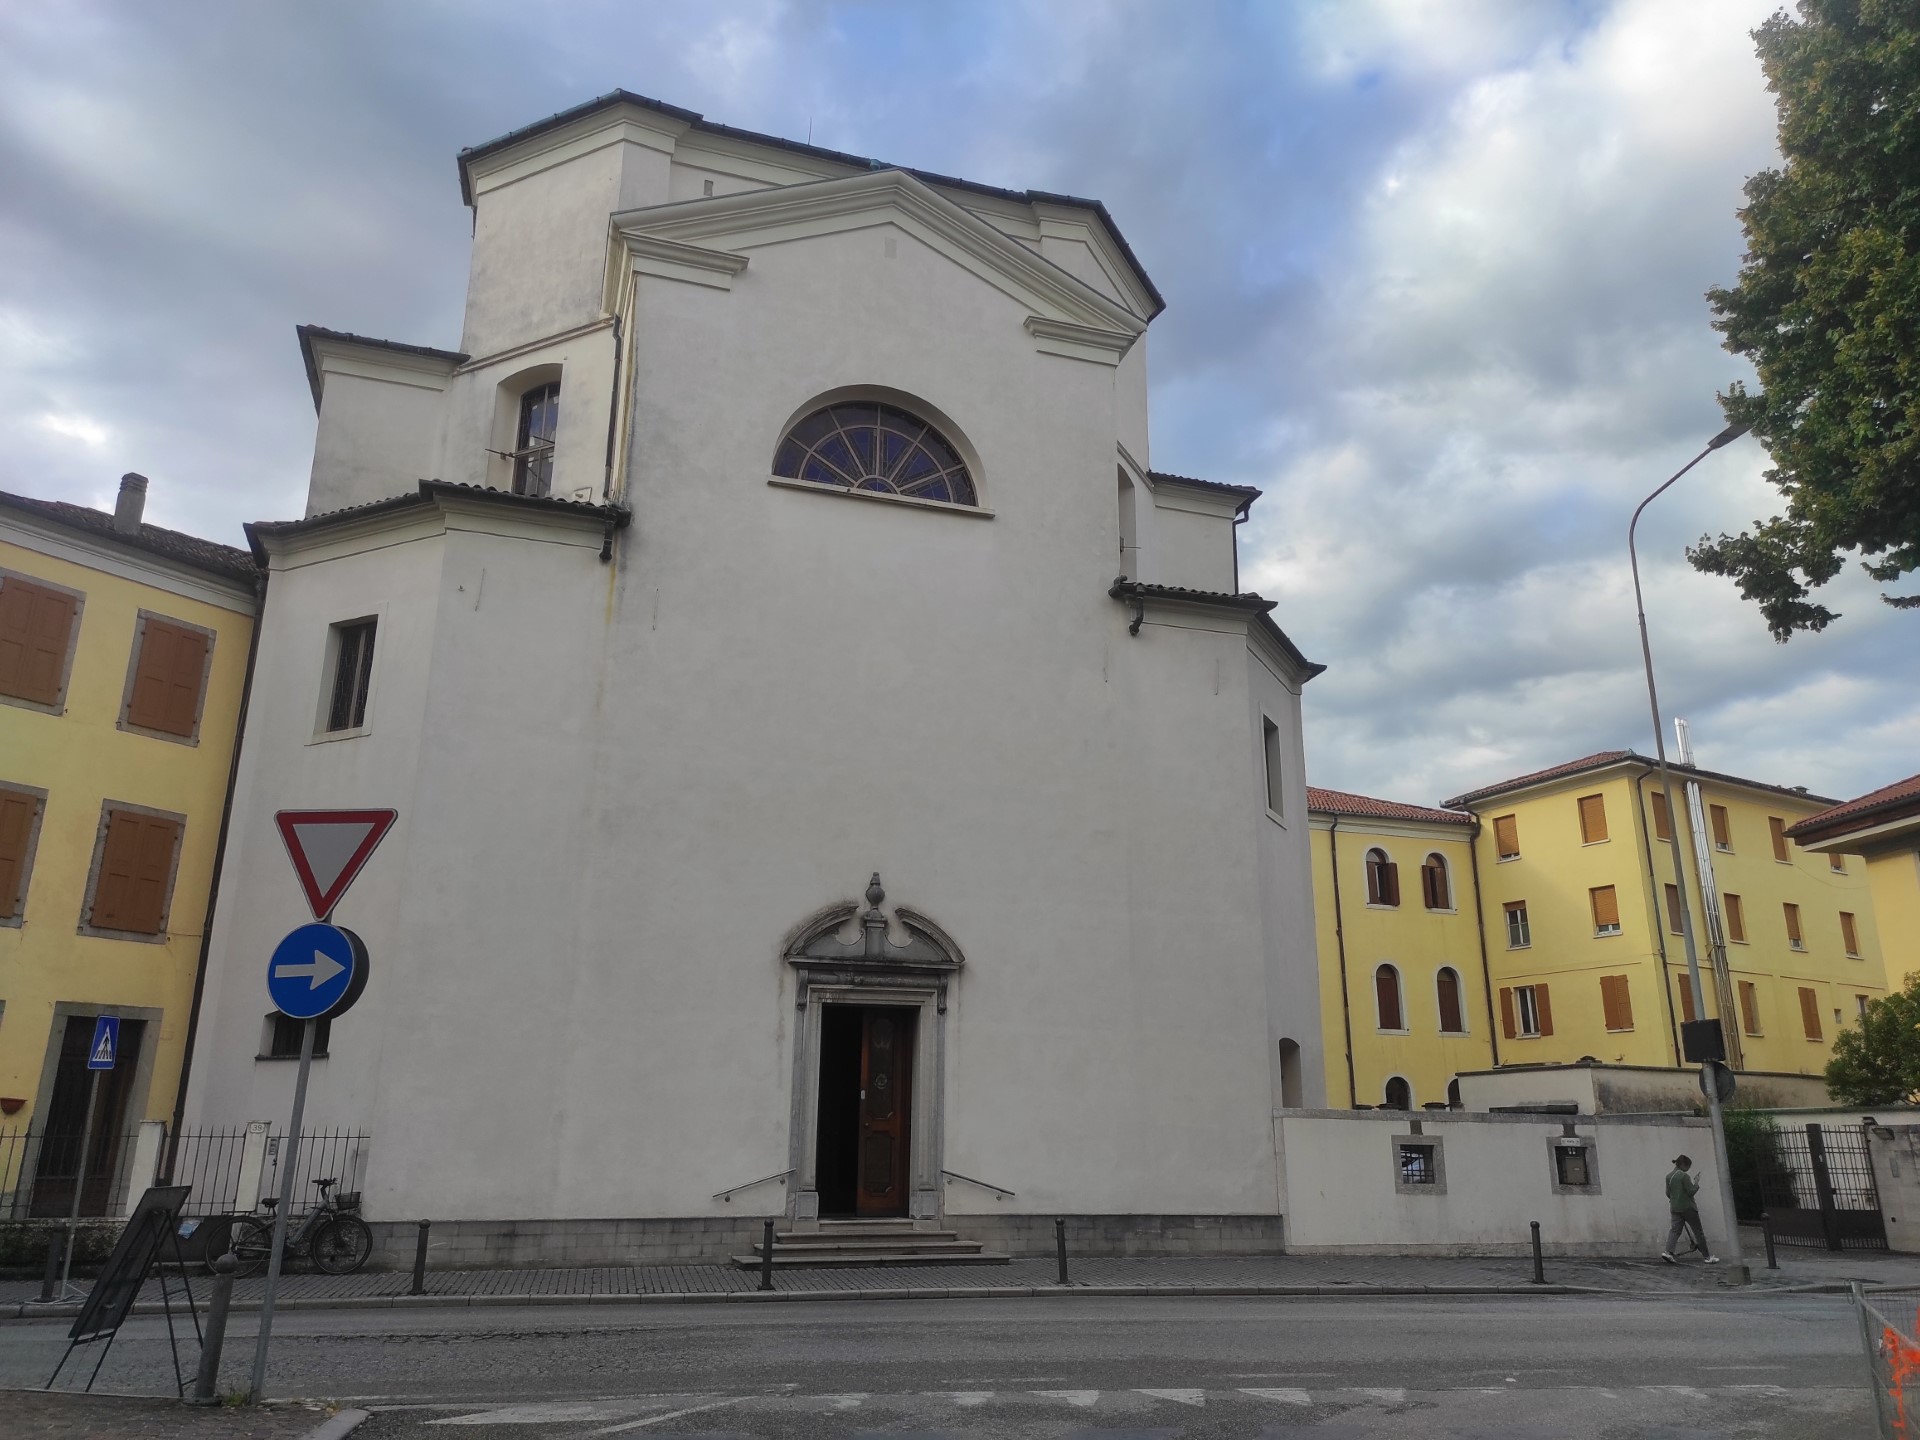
(886, 1078)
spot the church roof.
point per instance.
(615, 516)
(1343, 802)
(696, 121)
(174, 545)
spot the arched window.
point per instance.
(1452, 1020)
(1383, 879)
(1386, 993)
(1434, 888)
(1454, 1102)
(865, 445)
(1399, 1095)
(533, 442)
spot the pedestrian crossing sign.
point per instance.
(106, 1043)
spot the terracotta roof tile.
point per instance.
(1341, 802)
(1863, 807)
(1601, 759)
(1250, 492)
(175, 545)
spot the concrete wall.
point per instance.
(1895, 1151)
(1341, 1194)
(1628, 1089)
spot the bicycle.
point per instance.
(332, 1235)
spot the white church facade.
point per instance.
(797, 816)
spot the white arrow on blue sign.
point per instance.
(106, 1042)
(317, 970)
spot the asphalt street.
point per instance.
(1083, 1366)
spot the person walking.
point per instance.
(1681, 1190)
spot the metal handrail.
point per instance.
(997, 1189)
(780, 1175)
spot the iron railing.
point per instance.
(210, 1162)
(339, 1155)
(1817, 1189)
(38, 1170)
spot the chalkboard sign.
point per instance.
(113, 1294)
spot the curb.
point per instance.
(342, 1424)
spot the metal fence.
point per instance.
(1888, 1340)
(338, 1155)
(210, 1161)
(1817, 1189)
(39, 1170)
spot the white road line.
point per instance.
(1082, 1398)
(1285, 1397)
(550, 1412)
(1184, 1397)
(1691, 1392)
(1385, 1394)
(670, 1415)
(850, 1401)
(962, 1397)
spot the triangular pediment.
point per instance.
(710, 240)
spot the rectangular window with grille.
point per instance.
(1736, 920)
(352, 675)
(1593, 819)
(1849, 936)
(1722, 827)
(1606, 910)
(1519, 935)
(1750, 1007)
(1616, 1002)
(1506, 837)
(1417, 1165)
(1777, 828)
(1810, 1013)
(1794, 938)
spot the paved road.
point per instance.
(1570, 1368)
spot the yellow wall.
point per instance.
(80, 759)
(1556, 870)
(1417, 941)
(1893, 878)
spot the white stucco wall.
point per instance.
(378, 431)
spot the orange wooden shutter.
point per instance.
(136, 863)
(1686, 999)
(1736, 919)
(1606, 1001)
(1447, 984)
(1749, 1007)
(1544, 1008)
(1848, 935)
(1778, 828)
(167, 678)
(1662, 819)
(35, 626)
(1616, 1001)
(1722, 827)
(1506, 1011)
(1606, 908)
(1810, 1013)
(1506, 837)
(17, 811)
(1792, 913)
(1593, 818)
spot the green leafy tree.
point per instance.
(1827, 307)
(1878, 1061)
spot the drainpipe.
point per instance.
(1486, 965)
(213, 885)
(1340, 947)
(1659, 910)
(613, 411)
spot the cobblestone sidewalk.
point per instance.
(40, 1415)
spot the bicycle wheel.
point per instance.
(342, 1245)
(252, 1243)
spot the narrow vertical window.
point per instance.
(352, 674)
(1778, 829)
(1736, 920)
(1606, 910)
(1529, 1010)
(1750, 1007)
(1837, 862)
(1383, 879)
(1860, 1003)
(1686, 998)
(1129, 532)
(1593, 819)
(1270, 748)
(1506, 837)
(1676, 923)
(1662, 817)
(1849, 936)
(533, 447)
(1794, 937)
(1386, 991)
(1810, 1014)
(19, 830)
(1616, 1002)
(1722, 827)
(1519, 933)
(1434, 888)
(1447, 983)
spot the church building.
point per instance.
(838, 778)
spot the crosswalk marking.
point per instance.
(850, 1401)
(1284, 1396)
(968, 1398)
(1082, 1398)
(1385, 1394)
(670, 1415)
(1184, 1397)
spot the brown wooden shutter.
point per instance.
(1390, 882)
(167, 678)
(1386, 989)
(1448, 985)
(1848, 935)
(1662, 818)
(1792, 914)
(1778, 827)
(1544, 1008)
(1686, 999)
(1506, 837)
(1506, 1011)
(1749, 1007)
(1736, 919)
(17, 813)
(1606, 908)
(136, 865)
(1593, 819)
(35, 625)
(1376, 887)
(1810, 1013)
(1673, 908)
(1616, 1000)
(1722, 827)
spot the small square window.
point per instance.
(1419, 1163)
(283, 1037)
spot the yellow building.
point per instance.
(1583, 927)
(1883, 830)
(1403, 992)
(123, 661)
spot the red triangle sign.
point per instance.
(328, 847)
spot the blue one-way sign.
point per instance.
(317, 970)
(106, 1043)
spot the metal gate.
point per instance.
(1817, 1189)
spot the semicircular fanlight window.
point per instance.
(864, 445)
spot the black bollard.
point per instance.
(52, 1276)
(206, 1380)
(1766, 1231)
(420, 1260)
(1060, 1245)
(766, 1256)
(1539, 1265)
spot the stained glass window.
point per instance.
(865, 445)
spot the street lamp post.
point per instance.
(1708, 1080)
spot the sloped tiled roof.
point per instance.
(1167, 477)
(1342, 802)
(1247, 602)
(174, 545)
(1902, 794)
(1600, 760)
(423, 494)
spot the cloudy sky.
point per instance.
(1434, 275)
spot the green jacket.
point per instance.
(1681, 1188)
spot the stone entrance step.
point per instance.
(840, 1243)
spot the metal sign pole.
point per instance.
(289, 1158)
(79, 1180)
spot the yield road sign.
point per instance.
(317, 970)
(106, 1043)
(328, 847)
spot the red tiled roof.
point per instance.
(1600, 760)
(1341, 802)
(1864, 807)
(1571, 767)
(175, 545)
